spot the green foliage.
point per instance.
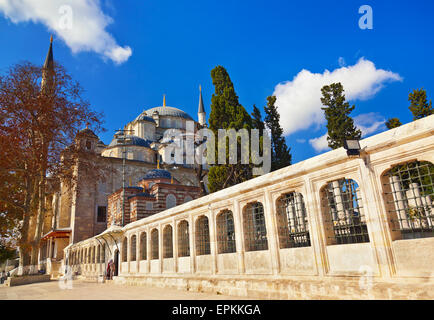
(257, 122)
(6, 253)
(419, 105)
(393, 123)
(280, 153)
(226, 113)
(340, 125)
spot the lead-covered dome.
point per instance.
(131, 141)
(157, 174)
(169, 111)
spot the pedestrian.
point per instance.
(112, 270)
(109, 269)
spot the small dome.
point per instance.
(133, 141)
(87, 132)
(156, 174)
(169, 111)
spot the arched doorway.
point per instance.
(116, 263)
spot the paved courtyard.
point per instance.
(89, 291)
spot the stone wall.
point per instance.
(369, 259)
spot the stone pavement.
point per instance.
(81, 290)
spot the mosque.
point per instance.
(139, 181)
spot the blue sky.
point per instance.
(175, 44)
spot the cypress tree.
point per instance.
(280, 153)
(419, 105)
(227, 113)
(393, 123)
(340, 125)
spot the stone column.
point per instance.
(272, 231)
(400, 203)
(239, 238)
(175, 245)
(192, 244)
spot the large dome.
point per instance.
(169, 111)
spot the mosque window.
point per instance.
(255, 231)
(170, 201)
(183, 239)
(133, 248)
(167, 242)
(125, 250)
(101, 214)
(409, 193)
(202, 236)
(225, 232)
(154, 244)
(88, 145)
(292, 221)
(187, 199)
(143, 251)
(343, 213)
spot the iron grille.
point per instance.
(103, 253)
(154, 244)
(202, 236)
(409, 193)
(98, 254)
(226, 232)
(124, 250)
(293, 226)
(344, 212)
(255, 231)
(143, 252)
(167, 242)
(133, 248)
(183, 239)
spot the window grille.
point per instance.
(344, 212)
(98, 254)
(255, 231)
(133, 248)
(143, 244)
(183, 239)
(167, 242)
(292, 223)
(103, 253)
(409, 195)
(154, 244)
(202, 236)
(124, 250)
(226, 232)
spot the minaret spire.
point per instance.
(48, 67)
(164, 100)
(201, 114)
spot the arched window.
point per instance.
(89, 255)
(154, 244)
(225, 232)
(187, 199)
(202, 236)
(125, 250)
(167, 242)
(170, 201)
(143, 252)
(292, 223)
(409, 192)
(133, 248)
(183, 239)
(343, 214)
(255, 231)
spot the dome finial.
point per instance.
(164, 100)
(158, 163)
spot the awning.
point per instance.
(57, 234)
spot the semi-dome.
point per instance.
(157, 174)
(131, 141)
(144, 117)
(169, 111)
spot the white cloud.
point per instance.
(81, 24)
(369, 123)
(320, 143)
(299, 103)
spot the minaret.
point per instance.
(201, 115)
(48, 68)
